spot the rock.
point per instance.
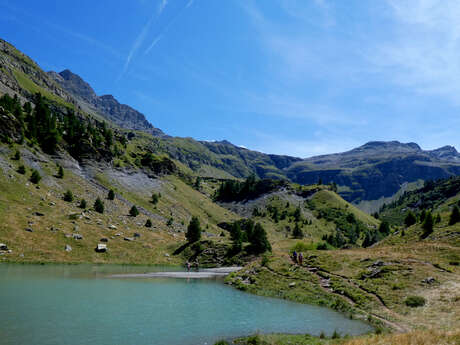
(128, 239)
(76, 228)
(113, 227)
(136, 234)
(101, 248)
(292, 284)
(429, 280)
(378, 263)
(118, 234)
(77, 236)
(3, 246)
(68, 235)
(104, 239)
(29, 230)
(167, 255)
(38, 214)
(68, 248)
(52, 203)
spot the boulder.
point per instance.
(113, 227)
(429, 280)
(29, 230)
(136, 234)
(38, 214)
(68, 248)
(292, 284)
(77, 236)
(3, 246)
(128, 239)
(104, 239)
(101, 248)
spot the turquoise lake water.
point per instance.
(79, 304)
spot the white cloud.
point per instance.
(423, 52)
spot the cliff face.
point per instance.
(106, 105)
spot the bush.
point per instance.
(193, 230)
(335, 335)
(99, 206)
(170, 221)
(60, 173)
(68, 196)
(35, 177)
(134, 212)
(22, 169)
(111, 195)
(82, 204)
(415, 301)
(322, 246)
(148, 223)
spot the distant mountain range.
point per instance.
(370, 172)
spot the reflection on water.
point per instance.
(77, 304)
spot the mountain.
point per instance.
(376, 169)
(367, 176)
(106, 105)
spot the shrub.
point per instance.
(193, 230)
(335, 335)
(155, 198)
(111, 195)
(68, 196)
(415, 301)
(82, 204)
(60, 173)
(222, 342)
(99, 206)
(321, 246)
(148, 223)
(22, 169)
(35, 177)
(170, 221)
(134, 212)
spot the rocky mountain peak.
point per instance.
(76, 85)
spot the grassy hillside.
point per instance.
(37, 223)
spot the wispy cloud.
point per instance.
(162, 6)
(165, 29)
(423, 52)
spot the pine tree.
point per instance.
(111, 195)
(427, 225)
(384, 228)
(155, 198)
(193, 230)
(134, 212)
(99, 206)
(82, 204)
(68, 196)
(17, 156)
(148, 223)
(237, 237)
(60, 173)
(410, 219)
(22, 169)
(259, 240)
(454, 216)
(297, 233)
(35, 177)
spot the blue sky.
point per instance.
(301, 77)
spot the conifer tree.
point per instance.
(454, 216)
(193, 230)
(134, 212)
(111, 195)
(99, 206)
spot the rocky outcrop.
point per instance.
(106, 105)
